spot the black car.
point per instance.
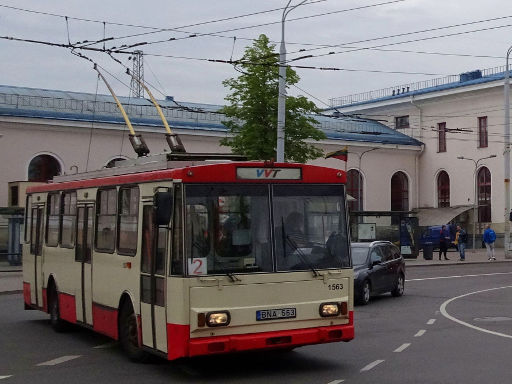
(378, 268)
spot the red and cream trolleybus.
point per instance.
(183, 257)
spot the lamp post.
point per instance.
(475, 192)
(506, 159)
(281, 101)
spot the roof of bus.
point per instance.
(89, 107)
(209, 173)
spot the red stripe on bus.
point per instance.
(26, 293)
(180, 345)
(178, 337)
(45, 301)
(104, 320)
(67, 307)
(214, 173)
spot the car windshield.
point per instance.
(228, 228)
(359, 255)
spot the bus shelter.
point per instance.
(11, 227)
(399, 227)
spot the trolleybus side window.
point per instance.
(106, 220)
(28, 218)
(52, 220)
(227, 229)
(177, 251)
(128, 220)
(309, 227)
(68, 220)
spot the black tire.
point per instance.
(129, 334)
(364, 296)
(56, 322)
(399, 286)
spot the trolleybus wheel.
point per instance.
(129, 334)
(56, 322)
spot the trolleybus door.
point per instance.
(36, 248)
(152, 280)
(83, 255)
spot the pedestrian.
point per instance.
(461, 238)
(444, 241)
(489, 239)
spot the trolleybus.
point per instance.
(182, 258)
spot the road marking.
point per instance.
(372, 365)
(5, 377)
(110, 344)
(402, 347)
(459, 276)
(450, 317)
(431, 321)
(60, 360)
(420, 333)
(336, 382)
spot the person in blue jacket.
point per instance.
(444, 241)
(489, 239)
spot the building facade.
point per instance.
(460, 120)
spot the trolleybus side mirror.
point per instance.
(163, 207)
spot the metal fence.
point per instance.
(405, 88)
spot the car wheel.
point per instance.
(399, 287)
(365, 293)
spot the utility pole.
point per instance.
(136, 89)
(506, 159)
(281, 101)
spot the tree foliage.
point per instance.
(252, 109)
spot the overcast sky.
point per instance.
(185, 74)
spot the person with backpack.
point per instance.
(461, 238)
(489, 239)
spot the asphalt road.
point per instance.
(453, 325)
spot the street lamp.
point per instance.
(475, 192)
(281, 101)
(506, 159)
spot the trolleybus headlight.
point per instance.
(218, 319)
(329, 309)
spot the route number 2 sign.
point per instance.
(197, 266)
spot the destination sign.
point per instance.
(269, 173)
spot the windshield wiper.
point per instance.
(232, 277)
(302, 255)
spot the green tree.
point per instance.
(252, 109)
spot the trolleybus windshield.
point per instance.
(265, 228)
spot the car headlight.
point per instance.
(329, 309)
(218, 319)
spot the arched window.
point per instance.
(484, 195)
(43, 168)
(443, 189)
(399, 192)
(355, 190)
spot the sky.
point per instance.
(375, 43)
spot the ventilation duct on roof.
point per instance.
(468, 76)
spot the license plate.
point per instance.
(273, 314)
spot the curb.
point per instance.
(458, 263)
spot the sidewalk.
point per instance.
(472, 256)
